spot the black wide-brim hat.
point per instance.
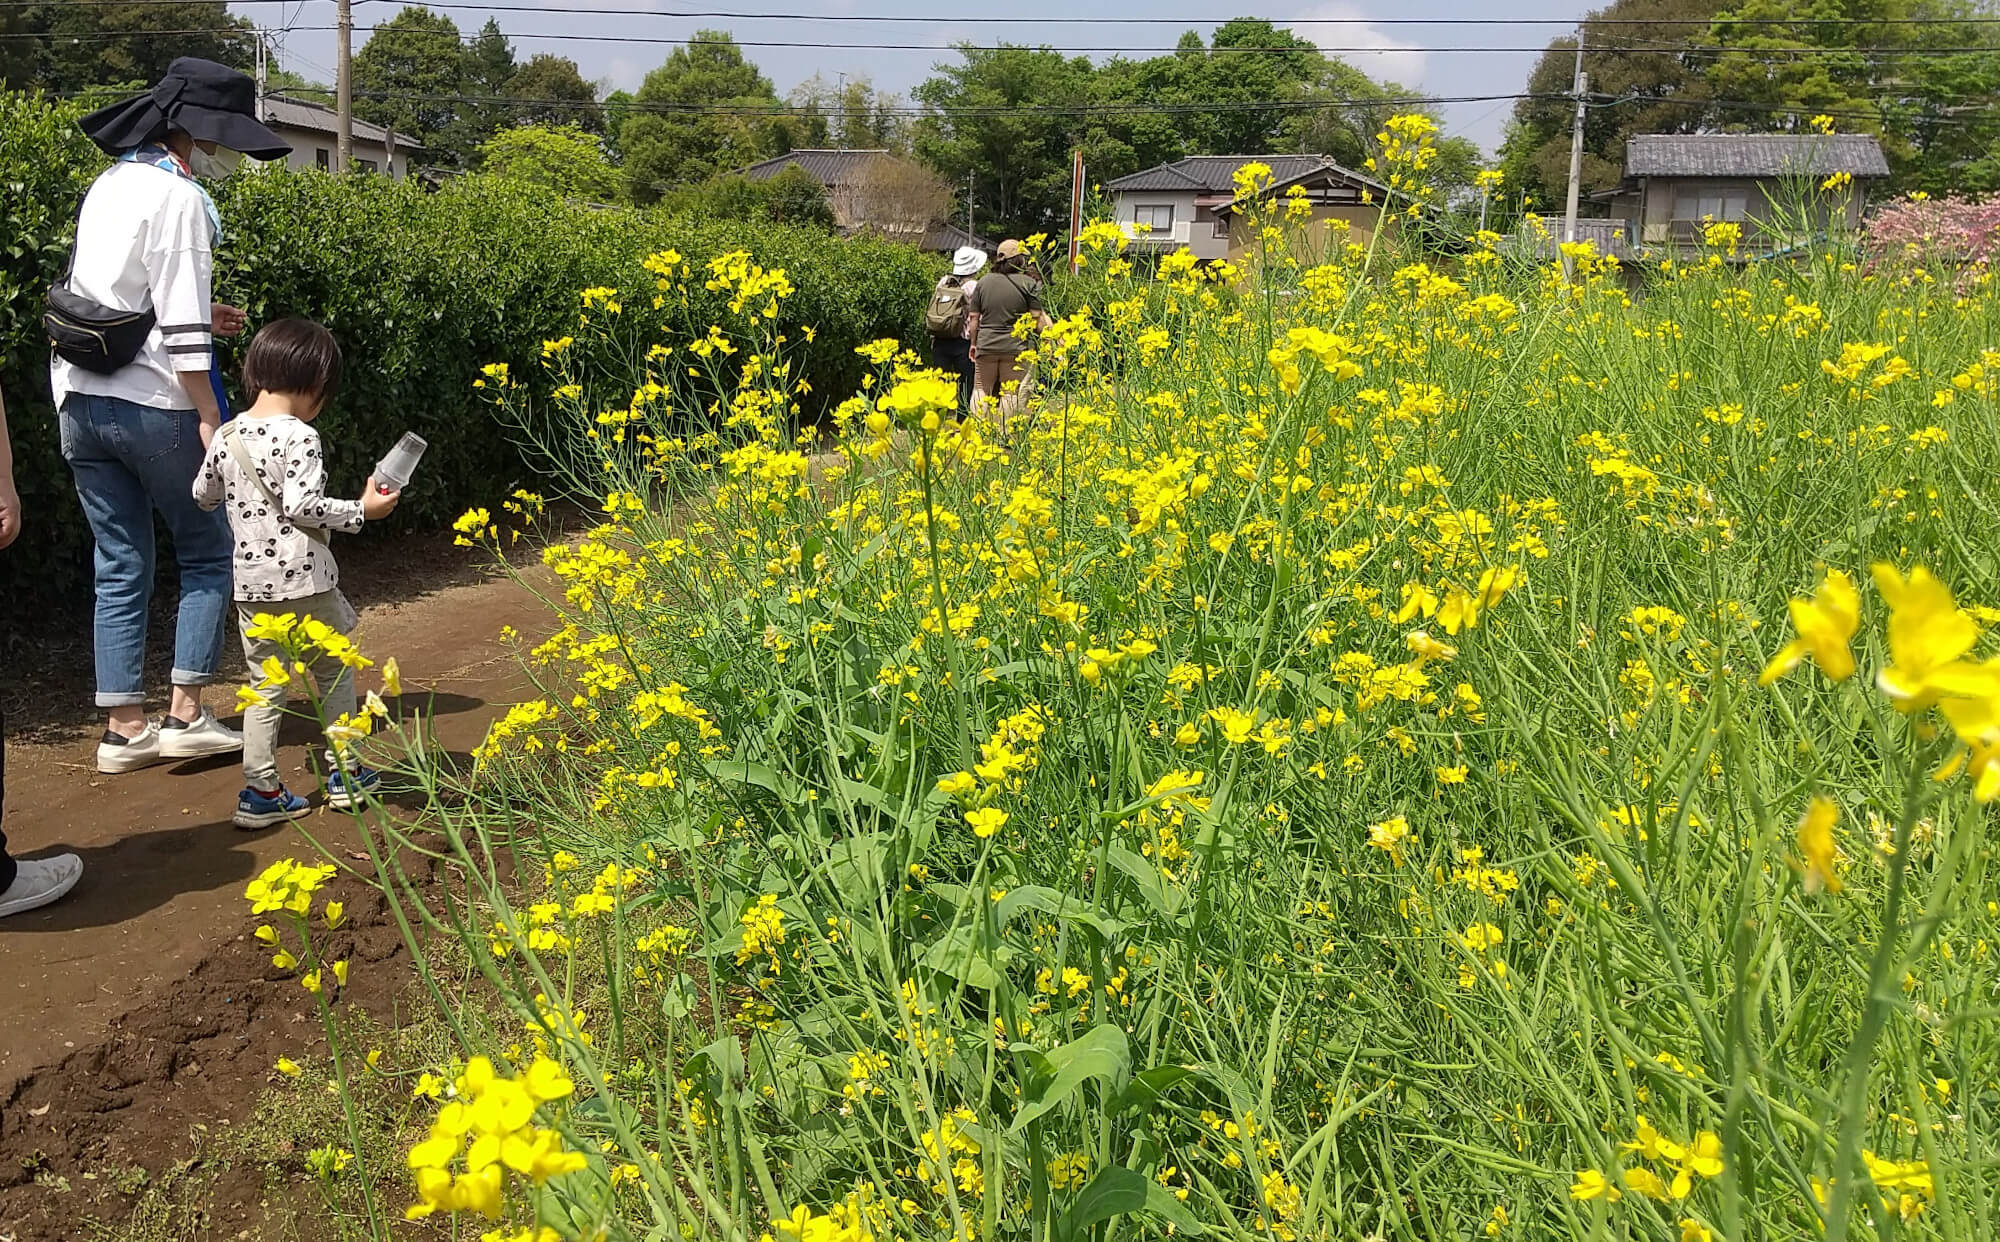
(211, 102)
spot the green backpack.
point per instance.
(945, 316)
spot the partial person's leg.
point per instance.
(121, 526)
(167, 456)
(260, 723)
(984, 368)
(1007, 370)
(36, 882)
(7, 864)
(265, 801)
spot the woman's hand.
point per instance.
(10, 511)
(225, 319)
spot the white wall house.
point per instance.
(314, 132)
(1189, 202)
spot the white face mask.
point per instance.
(216, 164)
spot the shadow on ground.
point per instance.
(142, 872)
(47, 694)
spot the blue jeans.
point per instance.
(130, 461)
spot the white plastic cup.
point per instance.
(392, 473)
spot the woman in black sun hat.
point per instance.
(132, 327)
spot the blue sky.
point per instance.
(1412, 55)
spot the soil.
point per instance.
(138, 1010)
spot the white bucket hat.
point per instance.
(966, 260)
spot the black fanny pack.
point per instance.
(90, 334)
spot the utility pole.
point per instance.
(1575, 156)
(263, 74)
(344, 87)
(840, 97)
(968, 205)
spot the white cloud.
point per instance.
(1397, 61)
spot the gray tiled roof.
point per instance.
(1753, 155)
(1212, 174)
(828, 166)
(945, 238)
(298, 114)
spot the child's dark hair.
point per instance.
(293, 356)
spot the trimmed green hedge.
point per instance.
(422, 288)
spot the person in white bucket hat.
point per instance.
(948, 318)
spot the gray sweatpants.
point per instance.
(334, 680)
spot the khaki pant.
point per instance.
(992, 372)
(335, 682)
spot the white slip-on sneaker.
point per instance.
(39, 881)
(197, 738)
(116, 753)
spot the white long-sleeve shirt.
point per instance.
(275, 558)
(144, 239)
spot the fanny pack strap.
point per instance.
(233, 444)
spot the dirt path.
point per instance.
(162, 892)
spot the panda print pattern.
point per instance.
(280, 550)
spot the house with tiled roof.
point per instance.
(1192, 202)
(1676, 185)
(872, 190)
(313, 129)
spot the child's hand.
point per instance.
(376, 503)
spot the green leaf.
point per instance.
(958, 953)
(1101, 1052)
(1062, 905)
(1120, 1191)
(1148, 1086)
(1164, 897)
(761, 775)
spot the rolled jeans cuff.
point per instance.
(184, 677)
(135, 698)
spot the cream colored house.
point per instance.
(314, 132)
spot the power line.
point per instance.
(1103, 110)
(1587, 23)
(1762, 55)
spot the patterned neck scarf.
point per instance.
(160, 157)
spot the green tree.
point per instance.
(1248, 92)
(564, 160)
(617, 107)
(850, 114)
(705, 110)
(1007, 118)
(1912, 83)
(72, 47)
(793, 196)
(409, 76)
(554, 78)
(1900, 71)
(1668, 93)
(282, 81)
(489, 68)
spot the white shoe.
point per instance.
(39, 881)
(116, 753)
(197, 738)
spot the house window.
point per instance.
(323, 158)
(1710, 203)
(1160, 218)
(367, 166)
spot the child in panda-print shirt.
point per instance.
(267, 467)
